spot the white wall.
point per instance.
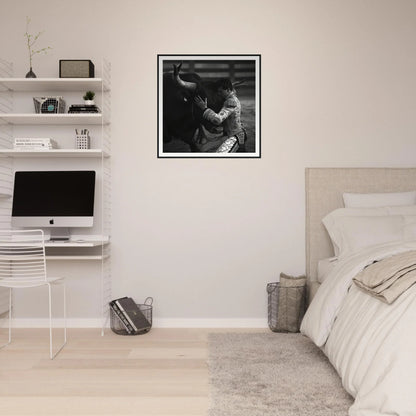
(203, 237)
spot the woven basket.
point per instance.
(286, 303)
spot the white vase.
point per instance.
(89, 102)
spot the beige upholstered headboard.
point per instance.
(324, 188)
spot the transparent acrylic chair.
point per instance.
(23, 265)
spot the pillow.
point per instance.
(352, 234)
(369, 212)
(407, 211)
(391, 199)
(371, 226)
(331, 221)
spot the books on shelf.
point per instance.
(33, 144)
(82, 108)
(130, 315)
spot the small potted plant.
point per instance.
(89, 98)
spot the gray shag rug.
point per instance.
(272, 374)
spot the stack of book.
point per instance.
(130, 315)
(82, 108)
(33, 144)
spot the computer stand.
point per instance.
(60, 234)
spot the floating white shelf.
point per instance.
(70, 244)
(51, 119)
(51, 84)
(78, 153)
(71, 258)
(65, 244)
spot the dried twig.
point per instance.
(31, 40)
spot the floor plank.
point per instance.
(162, 373)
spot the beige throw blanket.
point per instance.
(389, 278)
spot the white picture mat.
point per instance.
(255, 58)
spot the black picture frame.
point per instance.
(176, 120)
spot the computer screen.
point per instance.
(53, 198)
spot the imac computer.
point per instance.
(54, 199)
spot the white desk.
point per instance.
(77, 248)
(74, 243)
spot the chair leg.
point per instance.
(10, 315)
(52, 355)
(9, 319)
(64, 288)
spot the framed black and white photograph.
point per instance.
(209, 106)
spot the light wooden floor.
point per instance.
(162, 373)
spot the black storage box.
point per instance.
(76, 68)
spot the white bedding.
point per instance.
(325, 266)
(371, 344)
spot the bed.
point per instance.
(371, 344)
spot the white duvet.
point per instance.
(370, 343)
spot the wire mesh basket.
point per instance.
(117, 326)
(49, 105)
(286, 303)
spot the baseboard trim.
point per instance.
(44, 323)
(210, 323)
(157, 323)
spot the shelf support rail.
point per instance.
(6, 165)
(106, 191)
(6, 71)
(6, 96)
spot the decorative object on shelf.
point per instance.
(31, 40)
(29, 144)
(89, 98)
(30, 74)
(82, 108)
(49, 105)
(82, 141)
(76, 68)
(209, 106)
